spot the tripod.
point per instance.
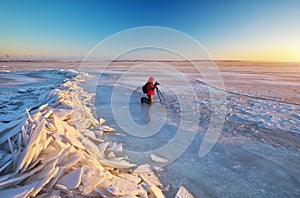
(162, 99)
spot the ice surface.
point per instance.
(257, 154)
(260, 137)
(50, 148)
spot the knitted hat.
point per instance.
(151, 79)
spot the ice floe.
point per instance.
(56, 148)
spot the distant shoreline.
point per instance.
(167, 60)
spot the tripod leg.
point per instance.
(157, 91)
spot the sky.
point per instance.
(266, 30)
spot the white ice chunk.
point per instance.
(18, 192)
(73, 179)
(183, 193)
(159, 159)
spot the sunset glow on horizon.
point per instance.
(236, 30)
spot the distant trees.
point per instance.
(7, 57)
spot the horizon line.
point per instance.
(145, 60)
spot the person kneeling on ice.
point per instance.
(149, 89)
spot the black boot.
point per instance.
(143, 100)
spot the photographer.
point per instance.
(149, 89)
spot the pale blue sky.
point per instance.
(241, 29)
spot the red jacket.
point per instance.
(151, 87)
